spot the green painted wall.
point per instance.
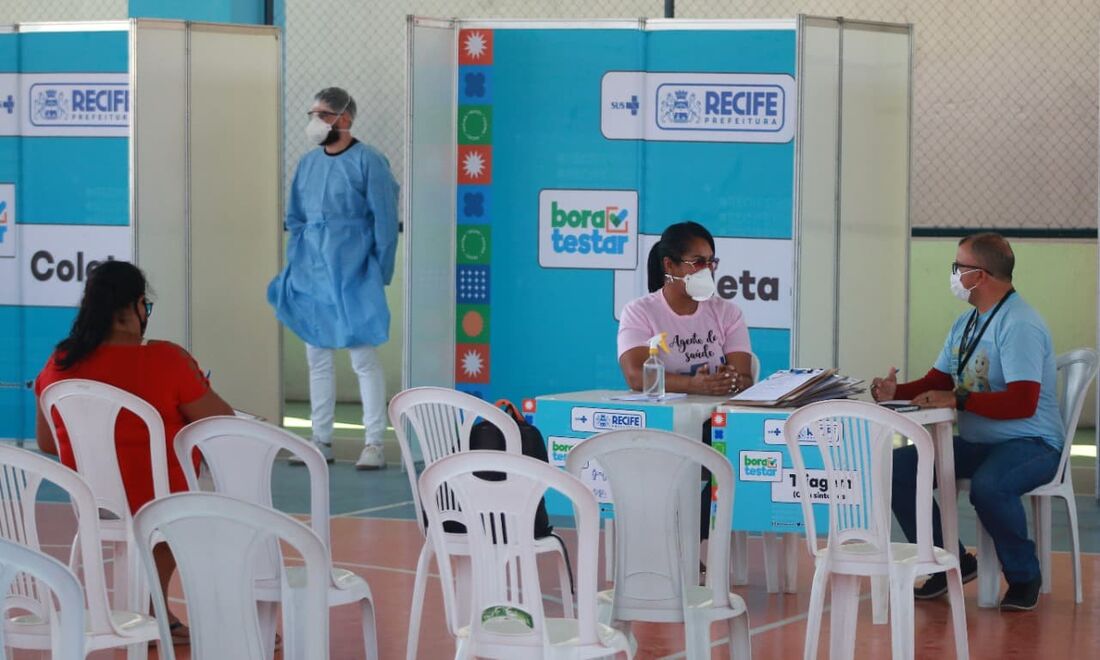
(1058, 278)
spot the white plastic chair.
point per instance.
(439, 420)
(1076, 369)
(855, 440)
(240, 454)
(215, 540)
(20, 564)
(657, 519)
(506, 594)
(21, 474)
(89, 410)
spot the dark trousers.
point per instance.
(999, 475)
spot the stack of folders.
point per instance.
(792, 388)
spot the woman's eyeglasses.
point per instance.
(701, 262)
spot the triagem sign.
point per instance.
(588, 229)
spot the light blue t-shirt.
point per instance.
(1016, 346)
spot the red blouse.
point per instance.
(159, 372)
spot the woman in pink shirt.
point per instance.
(707, 335)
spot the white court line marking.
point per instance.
(384, 507)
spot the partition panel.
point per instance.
(817, 192)
(874, 198)
(158, 73)
(235, 210)
(429, 324)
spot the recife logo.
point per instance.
(698, 107)
(588, 229)
(717, 107)
(83, 104)
(761, 466)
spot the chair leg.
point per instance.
(843, 617)
(1071, 511)
(417, 609)
(816, 611)
(268, 615)
(137, 651)
(791, 544)
(464, 584)
(370, 632)
(739, 558)
(901, 616)
(696, 637)
(565, 583)
(989, 570)
(880, 599)
(609, 550)
(740, 644)
(1043, 521)
(958, 613)
(772, 546)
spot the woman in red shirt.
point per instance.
(107, 343)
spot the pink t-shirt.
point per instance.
(716, 329)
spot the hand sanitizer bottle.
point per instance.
(653, 371)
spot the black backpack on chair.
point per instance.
(485, 435)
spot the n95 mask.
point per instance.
(317, 130)
(700, 286)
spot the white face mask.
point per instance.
(699, 285)
(317, 130)
(957, 288)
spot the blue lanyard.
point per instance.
(966, 350)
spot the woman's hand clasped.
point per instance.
(724, 381)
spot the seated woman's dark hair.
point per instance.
(675, 240)
(111, 286)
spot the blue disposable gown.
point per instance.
(342, 221)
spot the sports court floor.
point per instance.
(374, 534)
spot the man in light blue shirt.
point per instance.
(997, 368)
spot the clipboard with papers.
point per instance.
(791, 388)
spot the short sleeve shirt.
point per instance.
(716, 329)
(161, 373)
(1016, 346)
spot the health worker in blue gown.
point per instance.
(342, 221)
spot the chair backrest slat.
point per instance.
(1076, 370)
(21, 467)
(499, 516)
(438, 422)
(654, 476)
(16, 561)
(214, 540)
(89, 410)
(855, 441)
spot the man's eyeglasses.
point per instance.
(956, 266)
(323, 114)
(148, 309)
(701, 262)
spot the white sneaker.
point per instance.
(371, 458)
(324, 447)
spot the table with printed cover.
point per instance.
(566, 419)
